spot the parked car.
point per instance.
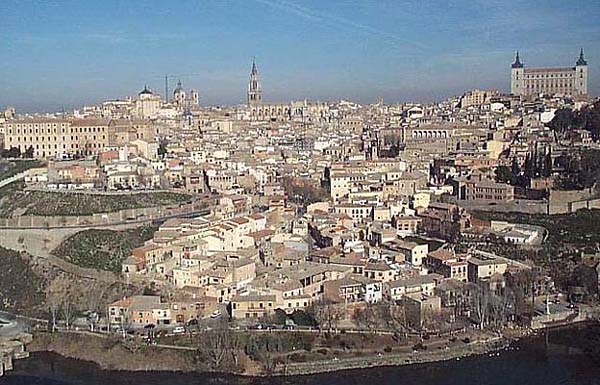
(178, 330)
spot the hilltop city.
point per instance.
(265, 237)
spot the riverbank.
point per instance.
(110, 353)
(415, 357)
(552, 357)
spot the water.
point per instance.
(557, 357)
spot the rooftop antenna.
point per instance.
(166, 88)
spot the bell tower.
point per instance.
(581, 75)
(517, 83)
(254, 89)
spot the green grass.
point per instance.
(49, 203)
(102, 249)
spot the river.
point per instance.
(552, 358)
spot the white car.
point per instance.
(215, 314)
(178, 330)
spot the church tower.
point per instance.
(254, 91)
(517, 81)
(581, 74)
(179, 95)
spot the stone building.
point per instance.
(184, 100)
(556, 80)
(147, 104)
(54, 137)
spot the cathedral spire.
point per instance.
(581, 61)
(254, 70)
(254, 91)
(517, 63)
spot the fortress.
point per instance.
(556, 80)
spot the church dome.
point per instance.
(145, 91)
(179, 88)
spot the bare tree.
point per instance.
(95, 302)
(501, 307)
(220, 346)
(266, 361)
(68, 308)
(372, 316)
(327, 314)
(480, 299)
(55, 292)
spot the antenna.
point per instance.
(166, 88)
(171, 76)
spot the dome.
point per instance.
(145, 91)
(179, 88)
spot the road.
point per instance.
(10, 325)
(14, 178)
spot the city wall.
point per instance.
(100, 219)
(564, 202)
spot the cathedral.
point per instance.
(301, 111)
(555, 80)
(183, 100)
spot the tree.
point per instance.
(94, 299)
(588, 118)
(397, 319)
(220, 346)
(303, 191)
(302, 318)
(372, 316)
(68, 308)
(12, 152)
(514, 168)
(564, 120)
(480, 299)
(501, 307)
(55, 292)
(29, 152)
(505, 175)
(362, 317)
(547, 169)
(327, 314)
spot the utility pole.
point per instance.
(166, 88)
(172, 76)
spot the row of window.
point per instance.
(495, 197)
(549, 76)
(49, 139)
(550, 85)
(64, 146)
(64, 130)
(489, 190)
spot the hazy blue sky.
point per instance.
(57, 54)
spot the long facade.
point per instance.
(557, 80)
(51, 137)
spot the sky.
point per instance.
(64, 54)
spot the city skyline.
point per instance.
(333, 51)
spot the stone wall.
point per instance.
(12, 348)
(392, 359)
(563, 202)
(122, 216)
